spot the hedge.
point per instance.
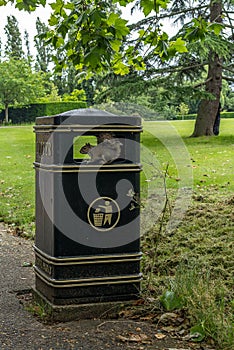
(29, 113)
(193, 116)
(227, 114)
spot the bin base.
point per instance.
(65, 313)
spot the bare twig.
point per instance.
(156, 237)
(202, 83)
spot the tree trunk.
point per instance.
(6, 114)
(208, 109)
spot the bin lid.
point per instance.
(88, 116)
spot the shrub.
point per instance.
(28, 114)
(193, 116)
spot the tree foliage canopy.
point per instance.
(98, 33)
(18, 85)
(92, 36)
(13, 47)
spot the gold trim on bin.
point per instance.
(87, 128)
(87, 259)
(87, 281)
(87, 168)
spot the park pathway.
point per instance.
(20, 330)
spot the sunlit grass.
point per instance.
(211, 160)
(17, 175)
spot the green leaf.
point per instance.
(69, 6)
(97, 18)
(70, 52)
(53, 20)
(63, 29)
(85, 37)
(120, 68)
(141, 33)
(92, 58)
(122, 2)
(112, 19)
(197, 333)
(179, 45)
(115, 44)
(171, 301)
(82, 18)
(164, 36)
(60, 41)
(147, 6)
(216, 28)
(150, 5)
(121, 28)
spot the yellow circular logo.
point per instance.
(103, 214)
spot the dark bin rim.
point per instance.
(88, 116)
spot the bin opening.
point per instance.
(78, 143)
(103, 148)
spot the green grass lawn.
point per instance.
(17, 175)
(201, 246)
(211, 160)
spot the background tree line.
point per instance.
(25, 79)
(94, 49)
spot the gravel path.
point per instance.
(19, 329)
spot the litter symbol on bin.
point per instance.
(103, 214)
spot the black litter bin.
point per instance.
(87, 210)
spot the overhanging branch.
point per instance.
(166, 15)
(202, 83)
(228, 78)
(175, 69)
(228, 69)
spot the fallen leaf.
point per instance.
(122, 338)
(168, 329)
(144, 336)
(147, 318)
(160, 336)
(125, 313)
(139, 302)
(137, 338)
(151, 300)
(168, 316)
(176, 349)
(26, 264)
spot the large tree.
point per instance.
(19, 85)
(207, 27)
(101, 40)
(44, 52)
(216, 52)
(13, 46)
(209, 108)
(28, 55)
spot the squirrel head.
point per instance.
(86, 148)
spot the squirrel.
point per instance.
(105, 152)
(102, 136)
